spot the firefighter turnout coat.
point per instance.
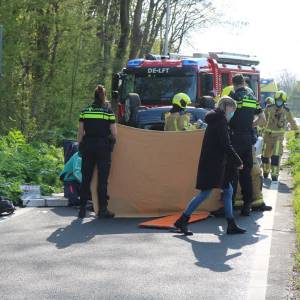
(273, 135)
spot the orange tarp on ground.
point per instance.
(168, 221)
(154, 173)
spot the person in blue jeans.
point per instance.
(217, 165)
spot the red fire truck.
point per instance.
(156, 79)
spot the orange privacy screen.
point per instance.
(168, 221)
(153, 173)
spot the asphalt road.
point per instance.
(50, 254)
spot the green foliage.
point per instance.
(294, 100)
(293, 145)
(28, 163)
(56, 51)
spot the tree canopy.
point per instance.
(56, 51)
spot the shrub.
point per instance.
(28, 163)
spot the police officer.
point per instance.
(96, 135)
(177, 119)
(242, 135)
(278, 116)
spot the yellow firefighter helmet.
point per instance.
(280, 95)
(182, 100)
(269, 100)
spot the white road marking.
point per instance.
(259, 276)
(17, 213)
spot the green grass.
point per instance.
(293, 145)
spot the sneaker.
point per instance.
(106, 214)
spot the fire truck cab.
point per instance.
(156, 79)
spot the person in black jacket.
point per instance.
(217, 160)
(97, 134)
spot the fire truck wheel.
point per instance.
(132, 103)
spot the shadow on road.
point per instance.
(284, 188)
(214, 255)
(210, 255)
(79, 231)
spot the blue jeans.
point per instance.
(203, 195)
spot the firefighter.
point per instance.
(227, 91)
(177, 119)
(268, 101)
(258, 203)
(97, 134)
(242, 136)
(278, 116)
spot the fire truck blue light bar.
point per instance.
(189, 62)
(135, 62)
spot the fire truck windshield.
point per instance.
(157, 89)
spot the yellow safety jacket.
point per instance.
(277, 120)
(227, 90)
(178, 122)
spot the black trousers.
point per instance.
(244, 176)
(95, 155)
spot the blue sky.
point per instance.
(272, 34)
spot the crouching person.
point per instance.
(217, 160)
(71, 175)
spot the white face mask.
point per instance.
(279, 103)
(229, 115)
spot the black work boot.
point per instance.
(274, 178)
(182, 225)
(232, 228)
(82, 212)
(106, 214)
(246, 209)
(262, 207)
(266, 175)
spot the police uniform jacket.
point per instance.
(241, 125)
(96, 122)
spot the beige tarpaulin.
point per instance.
(154, 173)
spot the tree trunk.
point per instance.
(38, 65)
(147, 27)
(53, 48)
(123, 41)
(108, 14)
(154, 31)
(136, 35)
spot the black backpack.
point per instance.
(6, 206)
